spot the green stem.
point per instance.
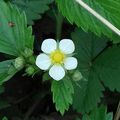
(59, 22)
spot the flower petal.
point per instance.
(70, 63)
(67, 46)
(43, 61)
(49, 45)
(57, 72)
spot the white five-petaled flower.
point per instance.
(57, 57)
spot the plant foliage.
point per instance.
(108, 67)
(99, 114)
(62, 94)
(76, 14)
(7, 70)
(33, 8)
(96, 63)
(15, 36)
(87, 96)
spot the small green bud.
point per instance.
(19, 63)
(30, 70)
(11, 69)
(77, 75)
(27, 52)
(31, 60)
(71, 71)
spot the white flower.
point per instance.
(57, 57)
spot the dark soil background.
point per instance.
(29, 96)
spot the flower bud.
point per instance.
(30, 70)
(77, 75)
(31, 60)
(19, 63)
(27, 52)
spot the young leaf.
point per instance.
(33, 8)
(77, 14)
(62, 94)
(108, 67)
(7, 70)
(15, 36)
(88, 47)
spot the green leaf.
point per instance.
(33, 8)
(108, 67)
(62, 94)
(96, 63)
(88, 92)
(86, 117)
(15, 36)
(99, 114)
(82, 18)
(7, 70)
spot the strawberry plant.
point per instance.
(59, 56)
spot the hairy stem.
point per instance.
(59, 22)
(99, 17)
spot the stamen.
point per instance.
(57, 57)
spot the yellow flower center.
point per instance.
(57, 57)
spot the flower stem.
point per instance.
(59, 22)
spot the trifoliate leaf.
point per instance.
(88, 92)
(33, 8)
(108, 67)
(109, 9)
(62, 94)
(95, 65)
(7, 70)
(15, 36)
